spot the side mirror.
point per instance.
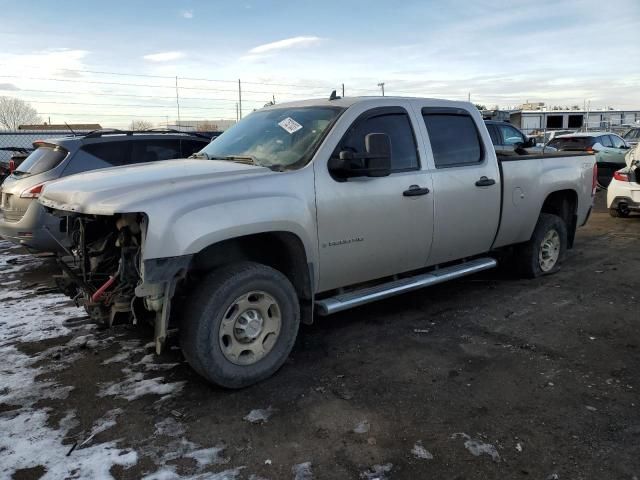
(531, 142)
(378, 161)
(597, 147)
(374, 162)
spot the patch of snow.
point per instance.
(259, 415)
(420, 452)
(135, 386)
(169, 427)
(302, 471)
(478, 447)
(107, 421)
(208, 456)
(28, 442)
(377, 472)
(362, 427)
(169, 473)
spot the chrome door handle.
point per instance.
(415, 190)
(485, 182)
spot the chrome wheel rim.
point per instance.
(250, 327)
(549, 251)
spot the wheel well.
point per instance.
(283, 251)
(564, 204)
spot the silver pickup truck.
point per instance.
(304, 208)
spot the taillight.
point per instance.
(594, 185)
(33, 192)
(12, 166)
(622, 176)
(589, 149)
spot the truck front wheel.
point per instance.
(240, 324)
(542, 254)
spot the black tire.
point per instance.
(619, 212)
(208, 304)
(527, 256)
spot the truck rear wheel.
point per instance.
(240, 325)
(543, 253)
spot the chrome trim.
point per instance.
(338, 303)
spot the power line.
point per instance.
(211, 99)
(69, 80)
(124, 115)
(125, 105)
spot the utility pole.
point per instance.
(343, 90)
(178, 102)
(469, 97)
(239, 100)
(237, 114)
(381, 85)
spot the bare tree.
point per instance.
(137, 125)
(15, 112)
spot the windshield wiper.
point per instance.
(204, 155)
(246, 159)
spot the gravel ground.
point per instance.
(486, 377)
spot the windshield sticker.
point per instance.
(290, 125)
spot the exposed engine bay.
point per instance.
(104, 267)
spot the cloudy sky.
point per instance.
(67, 58)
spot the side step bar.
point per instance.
(330, 305)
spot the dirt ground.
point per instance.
(486, 377)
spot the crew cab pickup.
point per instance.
(310, 207)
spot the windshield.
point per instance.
(281, 138)
(42, 159)
(572, 143)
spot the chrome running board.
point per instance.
(330, 305)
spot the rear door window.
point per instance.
(41, 160)
(455, 140)
(617, 141)
(114, 153)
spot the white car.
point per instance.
(623, 194)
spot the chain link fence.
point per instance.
(20, 142)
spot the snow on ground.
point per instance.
(27, 439)
(478, 447)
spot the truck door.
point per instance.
(466, 184)
(370, 228)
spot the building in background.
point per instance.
(536, 121)
(202, 125)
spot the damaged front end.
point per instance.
(104, 272)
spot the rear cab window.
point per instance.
(454, 137)
(572, 143)
(44, 158)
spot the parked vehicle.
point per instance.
(24, 220)
(623, 194)
(550, 135)
(318, 205)
(508, 140)
(632, 137)
(18, 155)
(610, 151)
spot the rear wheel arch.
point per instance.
(564, 204)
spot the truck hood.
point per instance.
(126, 189)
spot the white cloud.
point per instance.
(284, 44)
(187, 14)
(164, 56)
